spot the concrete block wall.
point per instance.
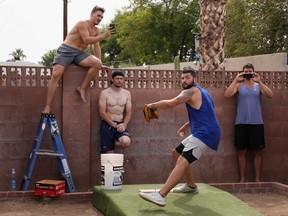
(20, 112)
(148, 159)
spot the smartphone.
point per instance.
(248, 76)
(112, 26)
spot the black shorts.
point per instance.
(187, 155)
(108, 136)
(249, 136)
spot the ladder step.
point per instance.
(48, 153)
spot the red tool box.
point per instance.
(51, 188)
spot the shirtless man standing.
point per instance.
(115, 108)
(72, 51)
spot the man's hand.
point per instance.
(121, 127)
(183, 130)
(239, 77)
(256, 78)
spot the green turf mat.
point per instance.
(210, 201)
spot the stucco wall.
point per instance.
(267, 62)
(148, 160)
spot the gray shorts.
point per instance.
(193, 143)
(67, 55)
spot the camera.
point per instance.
(112, 27)
(248, 76)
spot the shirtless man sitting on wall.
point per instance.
(115, 108)
(72, 50)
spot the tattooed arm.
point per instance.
(184, 96)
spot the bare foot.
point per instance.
(46, 109)
(82, 94)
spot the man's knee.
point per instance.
(91, 62)
(182, 161)
(125, 141)
(96, 64)
(57, 72)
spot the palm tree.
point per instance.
(47, 58)
(211, 46)
(18, 55)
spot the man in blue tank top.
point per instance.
(205, 134)
(249, 128)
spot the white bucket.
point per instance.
(111, 171)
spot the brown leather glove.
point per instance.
(150, 113)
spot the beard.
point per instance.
(117, 85)
(188, 86)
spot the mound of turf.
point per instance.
(210, 201)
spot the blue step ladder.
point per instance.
(59, 152)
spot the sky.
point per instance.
(36, 26)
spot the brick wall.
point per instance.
(148, 160)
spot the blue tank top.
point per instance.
(249, 105)
(203, 122)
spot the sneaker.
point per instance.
(185, 189)
(154, 197)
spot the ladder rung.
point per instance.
(49, 153)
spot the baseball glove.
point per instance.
(150, 113)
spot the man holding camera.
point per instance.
(249, 127)
(72, 50)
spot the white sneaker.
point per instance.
(185, 189)
(154, 197)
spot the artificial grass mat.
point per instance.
(210, 201)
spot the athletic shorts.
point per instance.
(249, 136)
(67, 55)
(191, 148)
(109, 135)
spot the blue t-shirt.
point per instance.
(203, 122)
(249, 105)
